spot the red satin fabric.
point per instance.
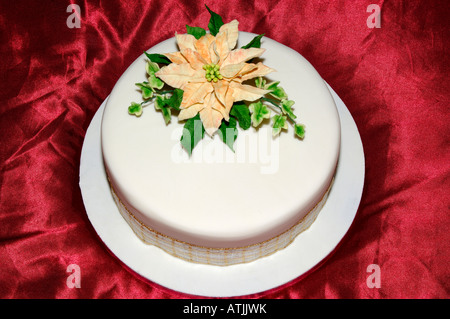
(393, 79)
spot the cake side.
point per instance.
(217, 256)
(216, 197)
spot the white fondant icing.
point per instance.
(218, 198)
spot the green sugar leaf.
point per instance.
(229, 132)
(299, 130)
(241, 112)
(155, 82)
(151, 67)
(215, 22)
(254, 43)
(135, 109)
(279, 123)
(259, 113)
(161, 105)
(276, 90)
(279, 93)
(272, 85)
(260, 82)
(286, 107)
(193, 132)
(158, 58)
(197, 32)
(175, 99)
(146, 91)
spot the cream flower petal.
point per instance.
(242, 55)
(221, 109)
(190, 111)
(211, 118)
(202, 46)
(193, 58)
(175, 57)
(232, 31)
(248, 67)
(258, 69)
(220, 89)
(243, 92)
(225, 96)
(231, 70)
(226, 103)
(185, 41)
(221, 46)
(195, 93)
(178, 75)
(229, 100)
(213, 53)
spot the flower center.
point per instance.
(212, 72)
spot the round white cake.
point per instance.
(218, 206)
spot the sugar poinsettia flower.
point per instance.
(211, 73)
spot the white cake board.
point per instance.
(306, 252)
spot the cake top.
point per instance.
(236, 193)
(214, 86)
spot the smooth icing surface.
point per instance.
(220, 198)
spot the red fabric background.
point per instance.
(393, 79)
